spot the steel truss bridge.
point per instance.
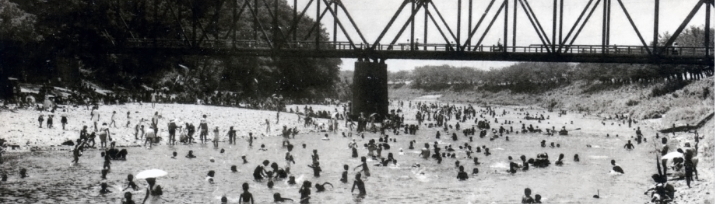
(279, 37)
(556, 46)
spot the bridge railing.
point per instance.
(310, 45)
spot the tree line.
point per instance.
(536, 77)
(59, 42)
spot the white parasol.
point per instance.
(672, 155)
(151, 173)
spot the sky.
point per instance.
(372, 16)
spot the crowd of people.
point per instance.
(466, 120)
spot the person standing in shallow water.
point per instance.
(231, 135)
(41, 119)
(305, 192)
(216, 135)
(360, 185)
(268, 127)
(364, 166)
(63, 120)
(204, 127)
(154, 192)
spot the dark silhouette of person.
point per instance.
(559, 162)
(462, 175)
(616, 168)
(629, 145)
(277, 198)
(321, 187)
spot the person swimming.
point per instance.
(321, 187)
(127, 198)
(575, 158)
(104, 189)
(190, 155)
(244, 159)
(527, 196)
(462, 175)
(475, 171)
(291, 180)
(233, 169)
(210, 176)
(616, 168)
(277, 198)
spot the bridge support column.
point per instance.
(370, 89)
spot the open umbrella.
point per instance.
(151, 173)
(672, 155)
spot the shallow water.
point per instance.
(54, 180)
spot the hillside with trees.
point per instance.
(64, 42)
(645, 91)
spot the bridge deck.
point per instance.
(574, 53)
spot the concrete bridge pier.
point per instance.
(370, 89)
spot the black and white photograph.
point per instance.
(357, 101)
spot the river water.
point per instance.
(54, 180)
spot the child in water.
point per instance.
(245, 196)
(130, 184)
(305, 192)
(127, 198)
(316, 169)
(462, 175)
(344, 177)
(360, 185)
(364, 166)
(104, 189)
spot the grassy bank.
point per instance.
(686, 105)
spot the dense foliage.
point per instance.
(44, 39)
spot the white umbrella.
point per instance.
(151, 173)
(672, 155)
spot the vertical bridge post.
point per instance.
(370, 89)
